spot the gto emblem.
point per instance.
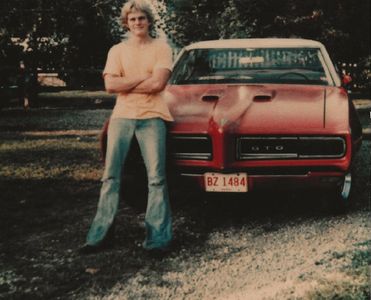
(267, 148)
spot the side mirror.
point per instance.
(346, 80)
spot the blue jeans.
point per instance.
(151, 136)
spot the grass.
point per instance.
(49, 186)
(41, 159)
(352, 282)
(49, 189)
(77, 94)
(40, 174)
(52, 119)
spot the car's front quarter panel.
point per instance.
(336, 110)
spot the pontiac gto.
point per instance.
(254, 114)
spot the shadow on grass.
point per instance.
(44, 221)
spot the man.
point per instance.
(27, 86)
(137, 69)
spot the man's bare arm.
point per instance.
(117, 84)
(156, 83)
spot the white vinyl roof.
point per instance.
(256, 43)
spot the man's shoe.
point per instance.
(107, 243)
(109, 239)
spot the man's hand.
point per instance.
(117, 84)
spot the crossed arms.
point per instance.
(149, 84)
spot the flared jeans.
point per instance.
(151, 136)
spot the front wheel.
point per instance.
(346, 188)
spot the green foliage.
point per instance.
(190, 21)
(76, 34)
(59, 34)
(339, 24)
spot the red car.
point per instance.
(261, 113)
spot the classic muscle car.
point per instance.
(261, 113)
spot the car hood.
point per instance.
(249, 108)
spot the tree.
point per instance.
(74, 34)
(339, 24)
(61, 33)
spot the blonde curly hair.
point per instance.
(137, 5)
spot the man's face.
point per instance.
(138, 23)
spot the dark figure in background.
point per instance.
(27, 86)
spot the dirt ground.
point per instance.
(271, 245)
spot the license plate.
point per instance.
(217, 182)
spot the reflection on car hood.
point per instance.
(250, 108)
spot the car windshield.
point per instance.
(251, 65)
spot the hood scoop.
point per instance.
(264, 96)
(212, 95)
(208, 98)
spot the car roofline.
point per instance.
(260, 43)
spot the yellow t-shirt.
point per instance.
(126, 60)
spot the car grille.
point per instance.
(289, 147)
(196, 147)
